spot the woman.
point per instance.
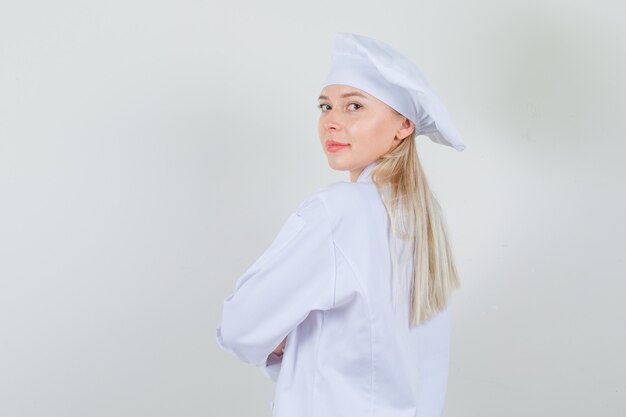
(348, 308)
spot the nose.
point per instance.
(331, 120)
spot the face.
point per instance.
(363, 126)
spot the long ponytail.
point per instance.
(417, 222)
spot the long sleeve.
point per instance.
(295, 275)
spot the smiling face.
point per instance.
(365, 126)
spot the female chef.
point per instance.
(348, 309)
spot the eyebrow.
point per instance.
(348, 94)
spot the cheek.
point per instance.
(373, 132)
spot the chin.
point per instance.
(336, 163)
(339, 164)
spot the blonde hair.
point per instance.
(417, 221)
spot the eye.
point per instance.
(321, 106)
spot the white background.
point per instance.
(150, 150)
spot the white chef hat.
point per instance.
(381, 71)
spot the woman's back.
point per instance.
(349, 354)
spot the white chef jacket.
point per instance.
(325, 283)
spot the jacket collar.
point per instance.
(365, 175)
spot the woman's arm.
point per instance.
(277, 355)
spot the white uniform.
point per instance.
(325, 283)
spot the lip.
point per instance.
(333, 146)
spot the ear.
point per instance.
(405, 129)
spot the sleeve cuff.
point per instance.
(272, 366)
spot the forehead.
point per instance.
(341, 90)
